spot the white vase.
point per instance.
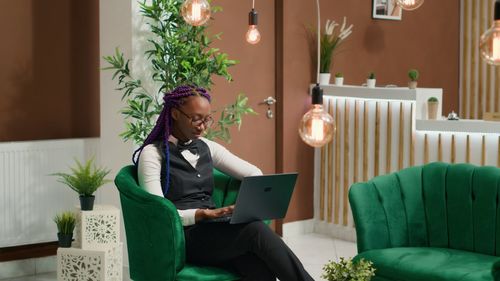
(370, 83)
(324, 78)
(339, 81)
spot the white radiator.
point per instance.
(29, 196)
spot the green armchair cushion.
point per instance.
(155, 235)
(426, 263)
(437, 209)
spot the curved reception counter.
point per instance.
(383, 130)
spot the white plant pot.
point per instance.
(412, 84)
(339, 81)
(370, 83)
(324, 78)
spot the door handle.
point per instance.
(269, 101)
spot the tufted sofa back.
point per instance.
(434, 205)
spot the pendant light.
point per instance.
(490, 40)
(317, 127)
(253, 34)
(410, 5)
(196, 12)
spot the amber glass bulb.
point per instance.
(410, 4)
(490, 44)
(196, 12)
(253, 35)
(316, 127)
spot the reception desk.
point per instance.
(382, 130)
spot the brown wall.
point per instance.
(426, 39)
(49, 72)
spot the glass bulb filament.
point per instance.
(253, 35)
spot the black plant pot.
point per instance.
(87, 202)
(65, 239)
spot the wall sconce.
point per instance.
(410, 5)
(196, 12)
(490, 40)
(317, 127)
(253, 34)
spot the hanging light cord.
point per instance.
(253, 4)
(318, 39)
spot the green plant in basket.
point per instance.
(85, 179)
(348, 270)
(432, 99)
(371, 75)
(339, 75)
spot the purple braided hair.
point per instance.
(163, 128)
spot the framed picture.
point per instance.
(386, 9)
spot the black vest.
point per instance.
(190, 188)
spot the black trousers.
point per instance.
(253, 250)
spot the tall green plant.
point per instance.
(179, 54)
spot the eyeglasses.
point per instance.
(207, 121)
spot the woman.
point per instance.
(176, 162)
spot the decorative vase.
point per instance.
(370, 83)
(412, 84)
(64, 239)
(324, 78)
(87, 202)
(339, 81)
(432, 109)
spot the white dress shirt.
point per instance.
(149, 169)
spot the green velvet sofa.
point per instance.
(155, 235)
(433, 222)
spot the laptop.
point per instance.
(261, 198)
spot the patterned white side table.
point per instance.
(97, 228)
(93, 265)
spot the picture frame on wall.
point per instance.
(386, 9)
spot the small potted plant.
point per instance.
(347, 270)
(371, 81)
(413, 75)
(432, 108)
(339, 79)
(65, 222)
(85, 180)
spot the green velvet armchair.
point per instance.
(155, 235)
(433, 222)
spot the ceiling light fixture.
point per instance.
(317, 127)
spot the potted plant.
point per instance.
(347, 270)
(178, 54)
(339, 79)
(85, 180)
(65, 222)
(413, 75)
(432, 108)
(371, 81)
(329, 41)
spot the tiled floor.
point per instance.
(314, 250)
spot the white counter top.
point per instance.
(464, 126)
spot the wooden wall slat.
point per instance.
(465, 62)
(452, 149)
(337, 166)
(467, 149)
(426, 149)
(388, 155)
(401, 137)
(345, 192)
(356, 143)
(365, 141)
(412, 139)
(483, 150)
(440, 148)
(474, 58)
(330, 166)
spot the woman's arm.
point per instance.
(229, 163)
(149, 174)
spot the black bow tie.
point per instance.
(191, 146)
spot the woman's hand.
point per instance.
(202, 214)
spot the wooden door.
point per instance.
(254, 75)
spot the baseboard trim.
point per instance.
(298, 228)
(346, 233)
